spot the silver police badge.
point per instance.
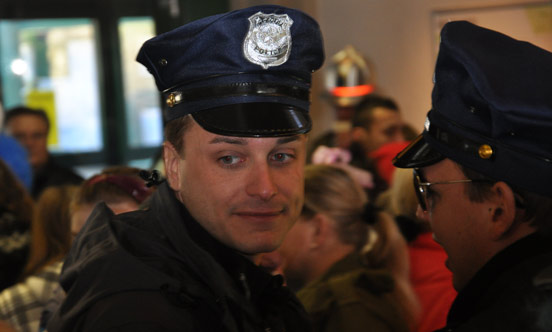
(268, 41)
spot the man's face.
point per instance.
(457, 223)
(386, 127)
(32, 132)
(246, 192)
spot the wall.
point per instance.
(397, 36)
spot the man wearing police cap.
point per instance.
(483, 174)
(237, 90)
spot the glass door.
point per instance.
(52, 64)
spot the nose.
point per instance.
(261, 182)
(26, 141)
(398, 135)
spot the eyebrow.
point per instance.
(229, 140)
(243, 141)
(287, 139)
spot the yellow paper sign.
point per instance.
(45, 100)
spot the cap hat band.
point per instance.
(176, 97)
(484, 149)
(454, 141)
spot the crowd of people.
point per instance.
(252, 227)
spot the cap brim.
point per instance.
(255, 120)
(417, 154)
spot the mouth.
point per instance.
(259, 213)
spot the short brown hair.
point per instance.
(23, 110)
(175, 130)
(363, 116)
(538, 208)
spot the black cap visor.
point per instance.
(255, 120)
(417, 154)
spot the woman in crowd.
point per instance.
(21, 305)
(348, 259)
(121, 188)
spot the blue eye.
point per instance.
(229, 160)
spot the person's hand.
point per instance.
(341, 158)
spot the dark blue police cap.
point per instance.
(242, 73)
(492, 109)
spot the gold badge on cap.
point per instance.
(268, 41)
(173, 98)
(485, 151)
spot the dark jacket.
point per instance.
(512, 292)
(351, 297)
(158, 270)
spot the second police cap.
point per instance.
(491, 108)
(242, 73)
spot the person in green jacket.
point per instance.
(347, 259)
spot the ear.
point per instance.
(503, 210)
(172, 165)
(319, 231)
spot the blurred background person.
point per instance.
(16, 208)
(21, 305)
(348, 261)
(119, 187)
(376, 121)
(431, 280)
(376, 132)
(31, 127)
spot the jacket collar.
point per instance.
(468, 300)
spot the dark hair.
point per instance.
(23, 110)
(13, 196)
(537, 208)
(175, 130)
(363, 112)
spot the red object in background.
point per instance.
(431, 280)
(353, 91)
(383, 158)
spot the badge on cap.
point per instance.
(268, 41)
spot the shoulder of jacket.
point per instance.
(354, 286)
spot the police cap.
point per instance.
(491, 108)
(242, 73)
